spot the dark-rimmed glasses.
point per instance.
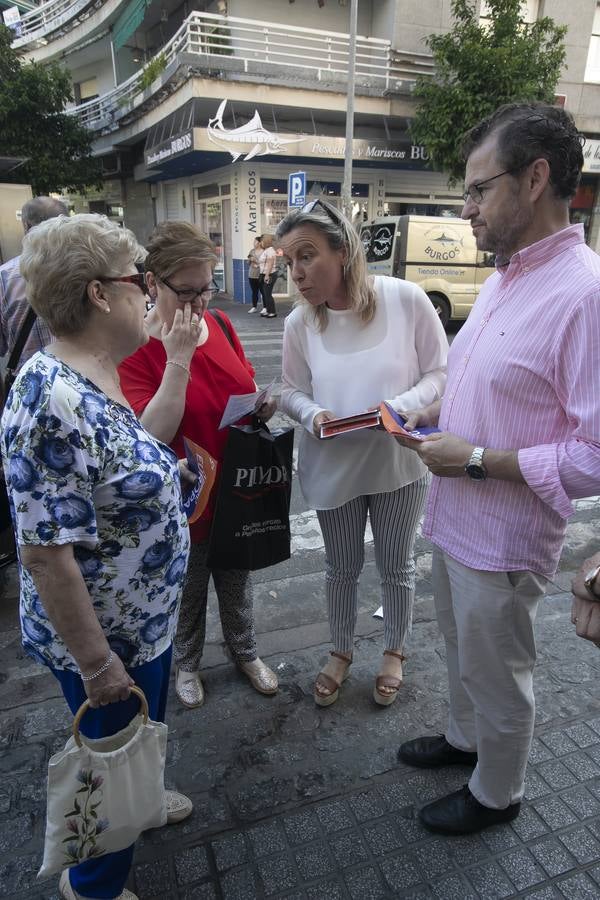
(139, 279)
(476, 194)
(186, 295)
(309, 207)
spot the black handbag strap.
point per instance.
(218, 316)
(22, 336)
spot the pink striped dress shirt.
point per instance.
(524, 374)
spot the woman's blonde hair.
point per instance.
(341, 235)
(173, 245)
(62, 255)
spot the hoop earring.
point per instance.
(344, 271)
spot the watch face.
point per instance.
(477, 473)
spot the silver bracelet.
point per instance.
(101, 670)
(171, 362)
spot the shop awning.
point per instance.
(129, 20)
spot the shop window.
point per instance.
(582, 204)
(592, 68)
(209, 190)
(273, 186)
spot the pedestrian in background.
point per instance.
(267, 260)
(179, 384)
(14, 305)
(254, 273)
(520, 422)
(352, 342)
(103, 541)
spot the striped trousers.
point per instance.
(394, 519)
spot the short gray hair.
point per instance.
(40, 209)
(62, 255)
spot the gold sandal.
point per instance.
(329, 683)
(389, 681)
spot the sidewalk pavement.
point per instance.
(299, 802)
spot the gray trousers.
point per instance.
(394, 519)
(235, 596)
(487, 621)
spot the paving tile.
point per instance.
(582, 735)
(191, 865)
(555, 813)
(313, 861)
(153, 878)
(266, 839)
(397, 795)
(278, 874)
(230, 851)
(594, 873)
(468, 850)
(548, 892)
(559, 742)
(583, 804)
(522, 869)
(528, 825)
(368, 805)
(490, 881)
(335, 816)
(348, 849)
(582, 766)
(365, 884)
(551, 854)
(331, 890)
(411, 829)
(535, 786)
(539, 752)
(594, 724)
(240, 884)
(205, 891)
(302, 827)
(453, 887)
(434, 858)
(382, 837)
(400, 871)
(500, 837)
(581, 843)
(557, 775)
(578, 887)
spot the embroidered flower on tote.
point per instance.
(83, 825)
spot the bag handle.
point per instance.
(216, 313)
(17, 350)
(86, 705)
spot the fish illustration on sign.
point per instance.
(443, 237)
(253, 132)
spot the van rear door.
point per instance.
(380, 240)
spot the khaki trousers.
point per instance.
(487, 621)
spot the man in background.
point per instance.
(13, 298)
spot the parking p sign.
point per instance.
(296, 189)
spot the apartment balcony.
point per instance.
(57, 19)
(236, 49)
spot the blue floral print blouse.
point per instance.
(82, 470)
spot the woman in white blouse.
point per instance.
(351, 342)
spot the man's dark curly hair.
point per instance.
(528, 131)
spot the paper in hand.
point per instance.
(241, 405)
(394, 423)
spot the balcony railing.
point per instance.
(56, 15)
(251, 47)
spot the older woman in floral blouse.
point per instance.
(102, 538)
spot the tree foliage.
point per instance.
(478, 68)
(33, 124)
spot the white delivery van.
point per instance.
(438, 254)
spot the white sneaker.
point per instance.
(67, 893)
(179, 807)
(263, 312)
(252, 309)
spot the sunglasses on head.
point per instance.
(311, 206)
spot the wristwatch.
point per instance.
(475, 468)
(592, 582)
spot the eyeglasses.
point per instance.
(476, 194)
(310, 206)
(139, 279)
(188, 296)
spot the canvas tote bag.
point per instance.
(103, 793)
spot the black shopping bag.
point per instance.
(251, 524)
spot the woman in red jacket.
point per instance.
(179, 384)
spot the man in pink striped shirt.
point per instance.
(520, 439)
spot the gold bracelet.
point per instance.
(171, 362)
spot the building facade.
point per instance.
(201, 111)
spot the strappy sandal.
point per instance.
(329, 683)
(389, 681)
